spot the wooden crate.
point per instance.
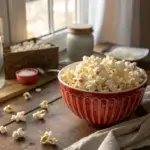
(44, 58)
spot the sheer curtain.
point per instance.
(115, 21)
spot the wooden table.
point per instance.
(66, 127)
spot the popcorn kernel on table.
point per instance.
(27, 96)
(8, 109)
(38, 90)
(19, 133)
(47, 138)
(3, 130)
(20, 116)
(44, 104)
(39, 115)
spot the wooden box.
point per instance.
(43, 58)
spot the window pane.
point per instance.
(37, 18)
(59, 9)
(71, 11)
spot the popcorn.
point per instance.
(27, 96)
(39, 115)
(29, 45)
(8, 109)
(48, 139)
(19, 133)
(3, 130)
(104, 75)
(38, 90)
(20, 116)
(44, 104)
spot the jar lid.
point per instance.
(80, 29)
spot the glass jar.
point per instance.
(79, 42)
(2, 74)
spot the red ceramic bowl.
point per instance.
(101, 108)
(27, 79)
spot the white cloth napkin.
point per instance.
(127, 136)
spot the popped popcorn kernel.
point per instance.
(19, 133)
(44, 104)
(48, 139)
(27, 96)
(39, 115)
(8, 109)
(3, 130)
(38, 90)
(20, 116)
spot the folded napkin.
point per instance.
(127, 136)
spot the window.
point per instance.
(36, 18)
(49, 16)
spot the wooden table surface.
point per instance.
(65, 126)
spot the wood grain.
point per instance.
(66, 127)
(49, 92)
(13, 88)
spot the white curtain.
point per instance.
(114, 21)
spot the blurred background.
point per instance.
(37, 14)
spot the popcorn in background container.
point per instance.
(29, 45)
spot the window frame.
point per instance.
(14, 16)
(4, 21)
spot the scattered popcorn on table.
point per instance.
(19, 133)
(27, 96)
(8, 109)
(29, 45)
(104, 75)
(38, 90)
(3, 130)
(39, 115)
(20, 116)
(48, 139)
(44, 104)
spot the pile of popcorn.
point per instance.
(104, 75)
(29, 45)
